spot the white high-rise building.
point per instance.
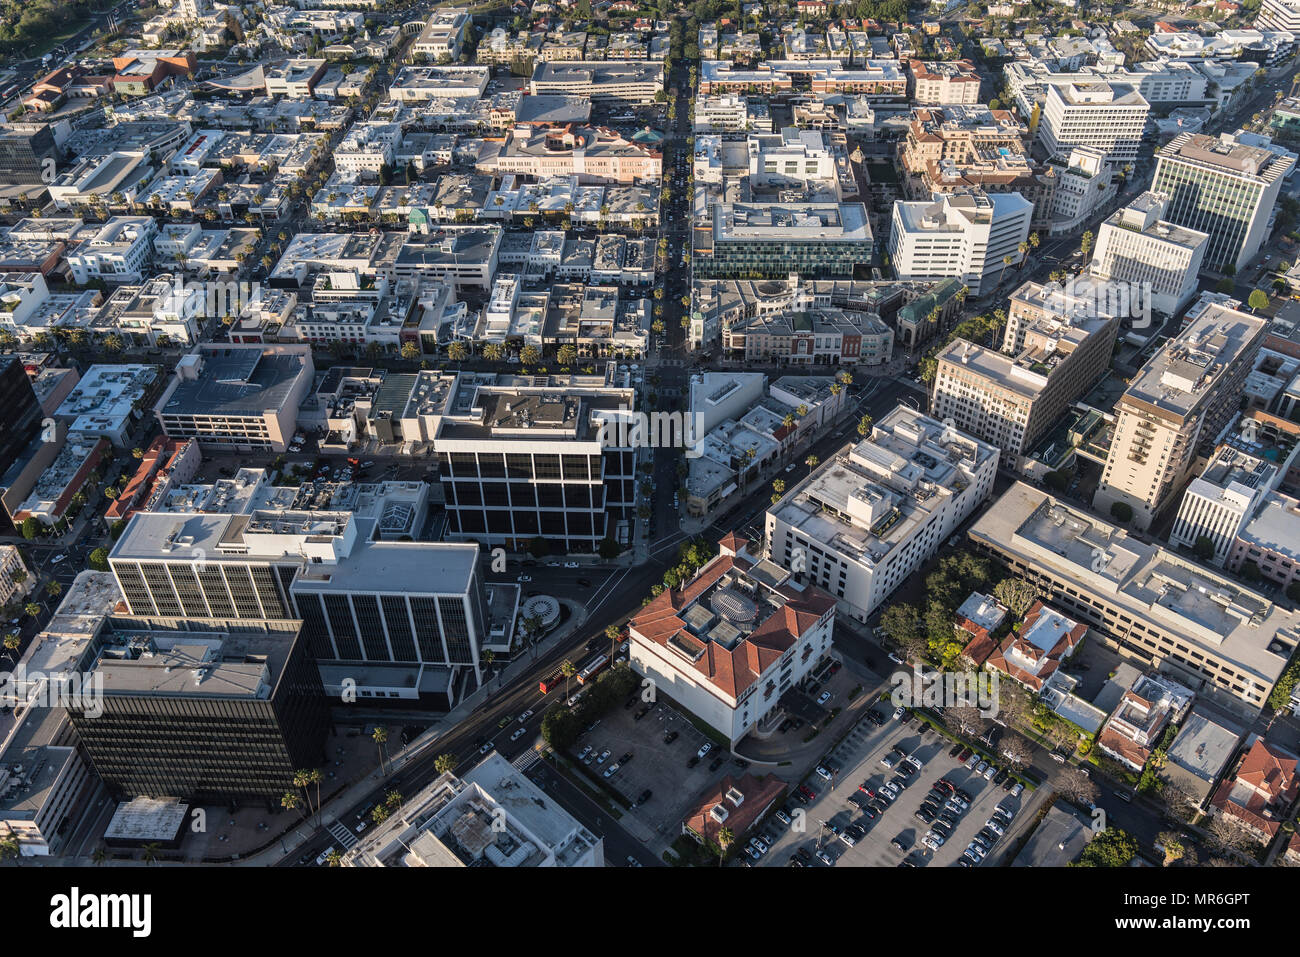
(965, 234)
(1219, 502)
(1177, 405)
(1108, 117)
(1138, 245)
(869, 516)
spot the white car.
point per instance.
(526, 715)
(610, 771)
(366, 465)
(524, 578)
(57, 558)
(981, 768)
(989, 772)
(1015, 791)
(933, 840)
(790, 467)
(519, 733)
(571, 565)
(584, 752)
(362, 826)
(823, 772)
(898, 714)
(295, 448)
(824, 697)
(603, 756)
(994, 826)
(708, 746)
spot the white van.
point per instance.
(324, 855)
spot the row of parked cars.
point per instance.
(988, 835)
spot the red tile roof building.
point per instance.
(728, 643)
(1263, 789)
(734, 803)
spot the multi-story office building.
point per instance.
(1279, 15)
(523, 457)
(15, 580)
(26, 156)
(1225, 187)
(592, 154)
(205, 714)
(868, 517)
(1055, 347)
(730, 642)
(944, 81)
(492, 816)
(1138, 245)
(45, 780)
(817, 240)
(1177, 404)
(792, 157)
(122, 251)
(620, 81)
(1154, 607)
(238, 396)
(1108, 117)
(967, 234)
(20, 411)
(403, 620)
(1220, 501)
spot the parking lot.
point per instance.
(659, 767)
(839, 804)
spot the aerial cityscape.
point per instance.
(648, 433)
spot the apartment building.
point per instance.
(594, 154)
(1259, 794)
(728, 644)
(15, 580)
(443, 35)
(936, 82)
(776, 239)
(1108, 117)
(968, 234)
(869, 516)
(731, 113)
(1137, 244)
(1056, 346)
(237, 396)
(1177, 404)
(619, 81)
(1225, 187)
(1154, 607)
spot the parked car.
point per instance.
(823, 772)
(704, 749)
(603, 756)
(612, 770)
(670, 737)
(824, 697)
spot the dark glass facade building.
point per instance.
(20, 411)
(203, 715)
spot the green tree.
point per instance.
(410, 351)
(1122, 512)
(1017, 594)
(1111, 848)
(566, 355)
(457, 351)
(1085, 243)
(98, 559)
(1204, 548)
(30, 528)
(864, 426)
(726, 837)
(1257, 300)
(530, 355)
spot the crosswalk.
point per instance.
(346, 837)
(526, 760)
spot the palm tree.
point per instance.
(290, 801)
(151, 851)
(811, 461)
(613, 633)
(726, 837)
(380, 737)
(568, 671)
(302, 779)
(100, 855)
(444, 763)
(334, 858)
